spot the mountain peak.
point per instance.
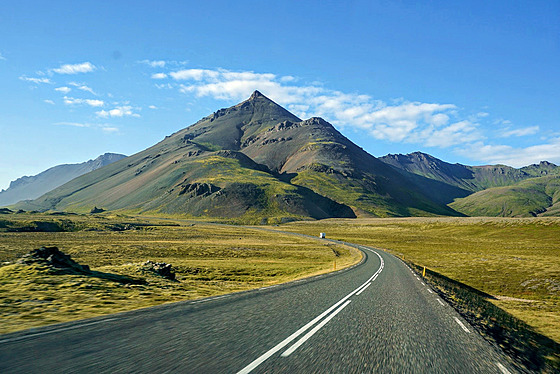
(257, 95)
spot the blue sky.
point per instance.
(474, 82)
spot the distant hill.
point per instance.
(255, 162)
(529, 198)
(470, 178)
(26, 188)
(491, 190)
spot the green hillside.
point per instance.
(532, 197)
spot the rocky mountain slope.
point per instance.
(254, 161)
(26, 188)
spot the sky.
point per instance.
(473, 82)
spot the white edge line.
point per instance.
(55, 331)
(441, 302)
(502, 368)
(461, 324)
(312, 332)
(430, 291)
(283, 343)
(210, 299)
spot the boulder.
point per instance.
(160, 268)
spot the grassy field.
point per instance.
(208, 260)
(515, 260)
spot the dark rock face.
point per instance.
(199, 189)
(160, 268)
(52, 256)
(97, 210)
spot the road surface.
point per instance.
(377, 317)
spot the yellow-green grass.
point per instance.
(515, 259)
(208, 260)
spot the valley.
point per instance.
(179, 205)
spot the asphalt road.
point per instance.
(377, 317)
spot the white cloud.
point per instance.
(404, 121)
(87, 89)
(153, 107)
(532, 130)
(82, 87)
(457, 133)
(35, 80)
(513, 156)
(84, 67)
(288, 78)
(100, 126)
(153, 63)
(63, 89)
(165, 86)
(90, 102)
(119, 111)
(49, 102)
(73, 124)
(194, 74)
(2, 57)
(159, 76)
(110, 129)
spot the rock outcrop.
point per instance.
(52, 257)
(160, 268)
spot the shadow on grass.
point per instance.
(533, 351)
(98, 274)
(59, 263)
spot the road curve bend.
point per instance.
(378, 317)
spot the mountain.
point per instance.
(26, 188)
(491, 190)
(469, 178)
(254, 162)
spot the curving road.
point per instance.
(377, 317)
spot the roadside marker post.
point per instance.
(424, 272)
